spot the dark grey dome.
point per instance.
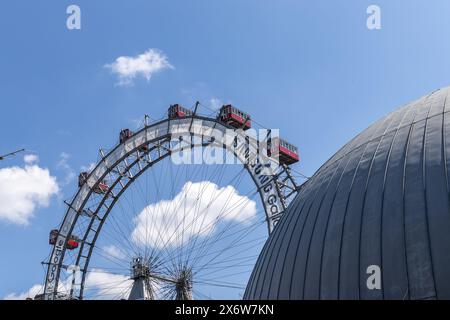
(374, 221)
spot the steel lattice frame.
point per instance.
(125, 163)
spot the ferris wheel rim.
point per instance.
(51, 291)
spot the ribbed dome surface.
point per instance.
(382, 200)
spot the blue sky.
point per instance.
(310, 68)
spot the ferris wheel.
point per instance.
(148, 223)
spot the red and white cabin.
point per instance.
(126, 134)
(286, 152)
(176, 111)
(101, 188)
(72, 243)
(234, 117)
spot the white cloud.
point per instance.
(63, 164)
(22, 190)
(104, 285)
(145, 64)
(34, 290)
(199, 207)
(63, 287)
(30, 159)
(99, 285)
(114, 251)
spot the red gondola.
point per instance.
(101, 188)
(176, 111)
(72, 243)
(234, 117)
(286, 152)
(126, 134)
